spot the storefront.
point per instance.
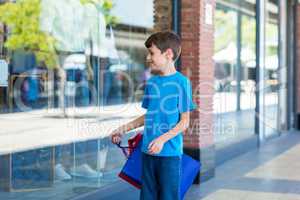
(101, 49)
(252, 74)
(234, 52)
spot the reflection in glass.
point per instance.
(99, 46)
(271, 91)
(234, 99)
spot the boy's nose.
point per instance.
(148, 58)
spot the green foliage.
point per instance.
(104, 6)
(226, 32)
(226, 29)
(249, 32)
(22, 18)
(271, 39)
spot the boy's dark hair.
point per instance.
(165, 40)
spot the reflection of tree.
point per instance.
(248, 32)
(23, 19)
(226, 35)
(225, 29)
(105, 6)
(271, 39)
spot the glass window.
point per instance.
(225, 58)
(271, 81)
(77, 71)
(246, 119)
(234, 99)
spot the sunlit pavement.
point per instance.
(268, 173)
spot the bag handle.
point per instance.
(125, 149)
(132, 144)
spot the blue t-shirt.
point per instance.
(165, 98)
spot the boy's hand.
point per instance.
(156, 146)
(116, 137)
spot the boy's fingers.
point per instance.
(152, 150)
(116, 139)
(150, 145)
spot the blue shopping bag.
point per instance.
(132, 170)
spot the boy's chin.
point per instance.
(155, 72)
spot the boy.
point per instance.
(168, 100)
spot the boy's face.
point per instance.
(158, 60)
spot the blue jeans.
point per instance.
(79, 77)
(160, 177)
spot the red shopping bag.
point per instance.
(132, 170)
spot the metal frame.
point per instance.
(293, 66)
(238, 61)
(176, 24)
(283, 68)
(286, 72)
(260, 72)
(176, 16)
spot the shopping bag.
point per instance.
(132, 170)
(190, 168)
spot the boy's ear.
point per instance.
(169, 54)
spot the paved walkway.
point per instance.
(269, 173)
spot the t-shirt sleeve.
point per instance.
(186, 98)
(145, 101)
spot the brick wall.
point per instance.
(162, 15)
(197, 64)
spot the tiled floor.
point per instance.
(282, 167)
(249, 195)
(269, 173)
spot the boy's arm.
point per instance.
(117, 133)
(136, 123)
(182, 125)
(156, 145)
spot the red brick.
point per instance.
(198, 48)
